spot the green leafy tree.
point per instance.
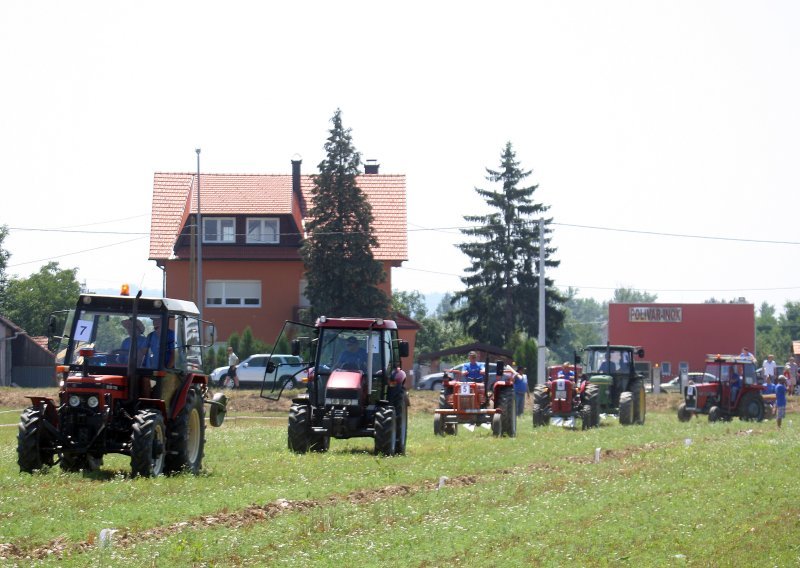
(341, 271)
(210, 361)
(4, 256)
(411, 304)
(29, 301)
(233, 341)
(526, 354)
(502, 283)
(775, 332)
(633, 296)
(246, 344)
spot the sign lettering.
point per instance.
(653, 314)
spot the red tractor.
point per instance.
(730, 390)
(474, 402)
(355, 387)
(131, 383)
(564, 399)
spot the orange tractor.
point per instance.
(473, 402)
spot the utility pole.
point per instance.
(200, 296)
(541, 360)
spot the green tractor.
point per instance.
(621, 388)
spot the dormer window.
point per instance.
(263, 231)
(219, 230)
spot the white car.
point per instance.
(289, 371)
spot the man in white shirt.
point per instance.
(769, 367)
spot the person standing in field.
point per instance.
(233, 362)
(790, 371)
(521, 390)
(770, 368)
(780, 400)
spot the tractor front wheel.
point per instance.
(508, 408)
(497, 425)
(385, 431)
(188, 436)
(714, 414)
(438, 427)
(443, 397)
(148, 444)
(626, 408)
(586, 417)
(31, 441)
(639, 402)
(683, 414)
(592, 394)
(299, 428)
(751, 407)
(539, 416)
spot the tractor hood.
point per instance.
(110, 382)
(345, 380)
(601, 379)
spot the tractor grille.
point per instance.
(466, 401)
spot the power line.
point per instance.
(73, 253)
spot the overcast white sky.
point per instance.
(675, 117)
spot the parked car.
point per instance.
(674, 385)
(433, 381)
(251, 371)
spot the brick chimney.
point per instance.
(371, 167)
(296, 161)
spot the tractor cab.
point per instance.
(621, 387)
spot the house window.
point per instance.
(233, 293)
(219, 230)
(263, 231)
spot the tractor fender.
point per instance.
(51, 408)
(154, 403)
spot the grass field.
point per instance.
(728, 498)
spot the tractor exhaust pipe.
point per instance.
(133, 352)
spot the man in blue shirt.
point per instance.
(471, 371)
(125, 346)
(354, 358)
(780, 400)
(154, 347)
(521, 389)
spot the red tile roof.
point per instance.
(255, 194)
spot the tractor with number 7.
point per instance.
(131, 383)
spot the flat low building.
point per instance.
(679, 336)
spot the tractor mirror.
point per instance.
(211, 334)
(576, 358)
(295, 347)
(500, 366)
(640, 353)
(270, 367)
(403, 345)
(51, 325)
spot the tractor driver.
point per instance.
(141, 341)
(471, 371)
(354, 357)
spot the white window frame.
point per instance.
(233, 293)
(223, 236)
(264, 223)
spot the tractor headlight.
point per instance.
(92, 402)
(74, 400)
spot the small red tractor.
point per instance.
(354, 385)
(474, 402)
(733, 391)
(131, 383)
(564, 399)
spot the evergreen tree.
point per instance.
(341, 272)
(502, 285)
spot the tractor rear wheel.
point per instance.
(714, 414)
(508, 408)
(32, 440)
(626, 408)
(148, 444)
(299, 428)
(443, 394)
(592, 398)
(539, 417)
(751, 407)
(385, 431)
(683, 414)
(639, 402)
(586, 417)
(541, 396)
(187, 437)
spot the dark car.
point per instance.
(433, 381)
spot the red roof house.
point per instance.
(252, 227)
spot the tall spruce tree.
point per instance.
(502, 283)
(341, 272)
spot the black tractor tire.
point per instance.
(497, 425)
(714, 414)
(148, 444)
(385, 431)
(401, 412)
(639, 401)
(299, 432)
(187, 436)
(443, 394)
(438, 425)
(586, 417)
(592, 398)
(451, 428)
(751, 407)
(626, 408)
(541, 396)
(539, 416)
(508, 407)
(32, 440)
(683, 414)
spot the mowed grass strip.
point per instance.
(702, 504)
